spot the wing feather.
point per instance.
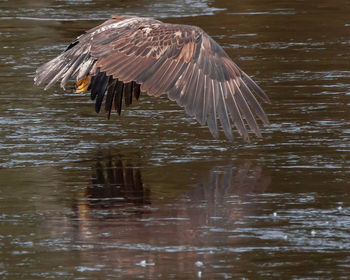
(245, 110)
(222, 112)
(255, 87)
(101, 93)
(99, 84)
(111, 64)
(128, 89)
(167, 76)
(182, 83)
(248, 95)
(200, 108)
(192, 93)
(180, 68)
(235, 112)
(118, 98)
(137, 91)
(197, 94)
(72, 68)
(110, 97)
(211, 107)
(189, 81)
(154, 83)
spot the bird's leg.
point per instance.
(83, 84)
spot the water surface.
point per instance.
(151, 194)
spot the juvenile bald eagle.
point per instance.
(128, 55)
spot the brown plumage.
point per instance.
(126, 55)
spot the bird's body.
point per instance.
(128, 55)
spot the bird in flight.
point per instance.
(127, 55)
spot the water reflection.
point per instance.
(116, 181)
(117, 192)
(219, 202)
(120, 214)
(230, 180)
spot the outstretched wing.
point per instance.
(127, 54)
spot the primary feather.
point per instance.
(126, 55)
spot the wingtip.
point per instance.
(247, 139)
(231, 140)
(267, 121)
(257, 89)
(244, 135)
(36, 79)
(230, 137)
(267, 99)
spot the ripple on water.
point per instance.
(63, 11)
(203, 209)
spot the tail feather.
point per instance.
(74, 63)
(46, 72)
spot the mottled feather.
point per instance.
(126, 55)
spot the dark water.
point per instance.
(151, 195)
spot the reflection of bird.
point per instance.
(227, 180)
(116, 183)
(128, 54)
(223, 190)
